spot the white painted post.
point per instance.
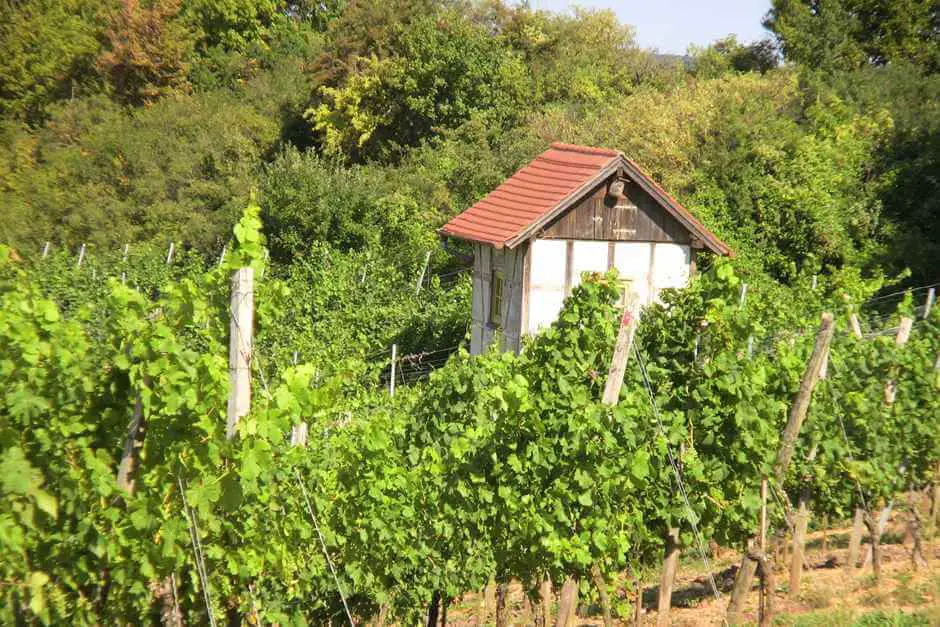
(295, 358)
(424, 269)
(931, 296)
(750, 338)
(123, 278)
(169, 255)
(45, 250)
(856, 327)
(222, 256)
(127, 248)
(903, 335)
(81, 256)
(298, 434)
(814, 282)
(239, 348)
(391, 379)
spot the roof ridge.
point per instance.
(588, 150)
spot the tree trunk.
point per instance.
(601, 584)
(133, 445)
(502, 615)
(935, 501)
(489, 600)
(767, 578)
(165, 593)
(855, 540)
(545, 604)
(434, 609)
(825, 532)
(875, 533)
(381, 616)
(742, 587)
(799, 547)
(882, 522)
(567, 603)
(668, 576)
(638, 606)
(917, 549)
(445, 603)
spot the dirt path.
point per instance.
(828, 594)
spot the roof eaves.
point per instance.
(680, 213)
(573, 197)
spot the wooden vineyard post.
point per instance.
(618, 364)
(799, 546)
(239, 348)
(803, 397)
(855, 540)
(744, 579)
(928, 304)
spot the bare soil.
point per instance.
(829, 593)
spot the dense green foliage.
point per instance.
(499, 464)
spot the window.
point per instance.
(496, 298)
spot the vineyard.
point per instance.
(741, 417)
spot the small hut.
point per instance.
(573, 209)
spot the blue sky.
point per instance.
(671, 25)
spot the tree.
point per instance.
(231, 24)
(146, 51)
(846, 34)
(446, 70)
(728, 54)
(48, 49)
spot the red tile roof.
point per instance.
(548, 185)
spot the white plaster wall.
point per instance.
(588, 257)
(649, 267)
(548, 261)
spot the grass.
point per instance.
(849, 618)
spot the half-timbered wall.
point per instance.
(511, 262)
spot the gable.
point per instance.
(541, 196)
(597, 217)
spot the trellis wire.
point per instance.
(197, 551)
(326, 553)
(700, 542)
